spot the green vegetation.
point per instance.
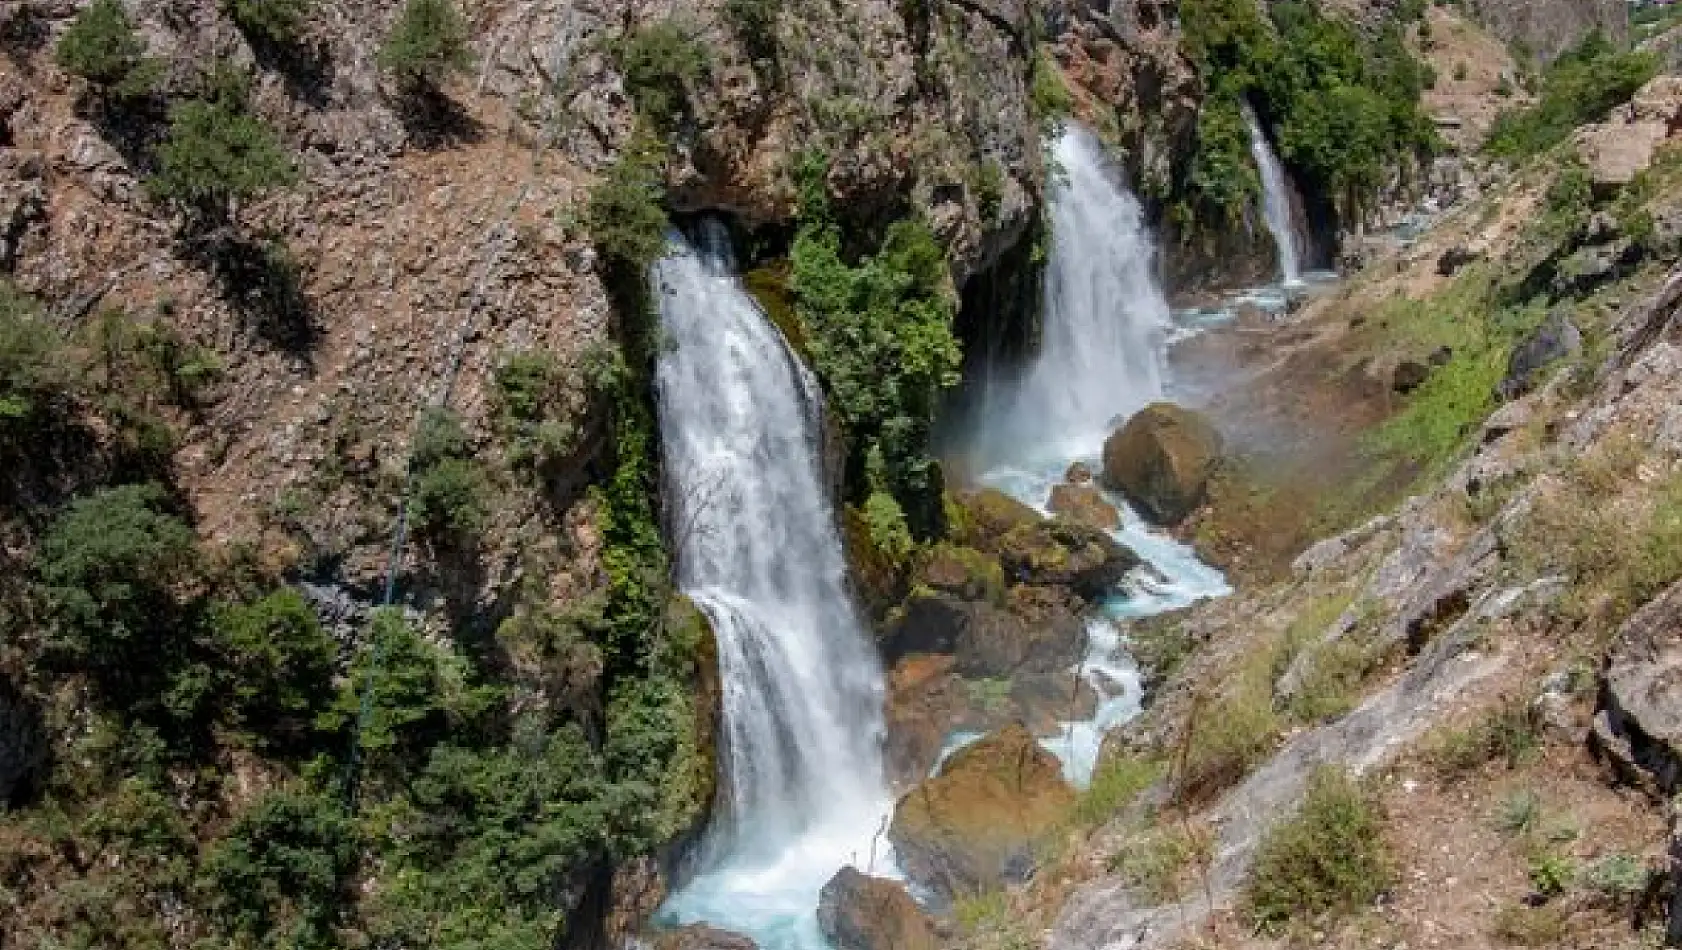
(1581, 86)
(35, 379)
(1155, 862)
(1507, 734)
(1049, 96)
(281, 870)
(626, 222)
(755, 24)
(218, 154)
(1232, 734)
(281, 674)
(660, 62)
(1344, 107)
(1330, 859)
(534, 412)
(280, 22)
(879, 330)
(427, 45)
(102, 47)
(448, 498)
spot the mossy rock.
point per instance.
(878, 579)
(991, 514)
(690, 795)
(1064, 553)
(963, 572)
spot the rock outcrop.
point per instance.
(1162, 460)
(858, 912)
(1550, 27)
(974, 827)
(1638, 726)
(1622, 146)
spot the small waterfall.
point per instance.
(758, 553)
(1106, 320)
(1276, 202)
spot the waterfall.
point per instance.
(1106, 321)
(758, 552)
(1276, 202)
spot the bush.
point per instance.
(1581, 86)
(35, 376)
(111, 565)
(1232, 734)
(218, 154)
(755, 24)
(885, 520)
(1050, 98)
(102, 47)
(1507, 733)
(279, 875)
(279, 665)
(626, 222)
(659, 62)
(1116, 782)
(449, 491)
(427, 44)
(1329, 859)
(533, 410)
(400, 680)
(280, 22)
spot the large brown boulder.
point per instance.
(975, 826)
(857, 912)
(702, 937)
(1639, 724)
(1162, 460)
(1084, 503)
(1036, 625)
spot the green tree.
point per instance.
(1581, 86)
(218, 154)
(426, 45)
(279, 875)
(34, 369)
(280, 22)
(447, 498)
(660, 62)
(102, 47)
(112, 565)
(279, 665)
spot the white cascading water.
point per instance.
(1104, 348)
(758, 552)
(1276, 202)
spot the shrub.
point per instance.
(218, 154)
(35, 371)
(659, 62)
(1116, 782)
(1155, 863)
(280, 22)
(533, 411)
(449, 490)
(1620, 878)
(279, 664)
(1527, 926)
(1550, 873)
(279, 875)
(1047, 93)
(626, 222)
(1233, 734)
(1329, 859)
(886, 521)
(400, 681)
(1508, 733)
(755, 24)
(427, 44)
(1581, 86)
(102, 47)
(111, 565)
(1520, 812)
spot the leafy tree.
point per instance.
(279, 664)
(427, 44)
(659, 62)
(1581, 86)
(626, 222)
(34, 371)
(279, 876)
(280, 22)
(533, 410)
(102, 47)
(447, 500)
(218, 153)
(112, 565)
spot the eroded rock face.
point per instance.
(1162, 459)
(1550, 27)
(1639, 723)
(702, 937)
(1622, 146)
(973, 827)
(858, 912)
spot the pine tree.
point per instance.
(426, 44)
(102, 47)
(218, 153)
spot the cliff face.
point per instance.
(1550, 27)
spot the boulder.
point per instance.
(992, 514)
(963, 572)
(1162, 460)
(858, 912)
(1555, 339)
(1084, 504)
(1067, 554)
(975, 826)
(985, 640)
(1408, 376)
(702, 937)
(1079, 473)
(1638, 726)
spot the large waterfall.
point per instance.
(1276, 202)
(758, 553)
(1102, 357)
(1106, 321)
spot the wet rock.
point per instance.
(1079, 473)
(1408, 376)
(1085, 504)
(1162, 460)
(963, 572)
(1067, 554)
(702, 937)
(1556, 338)
(857, 912)
(1638, 726)
(974, 827)
(992, 515)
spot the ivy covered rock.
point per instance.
(1162, 460)
(974, 827)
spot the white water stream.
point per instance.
(1103, 357)
(1276, 202)
(758, 552)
